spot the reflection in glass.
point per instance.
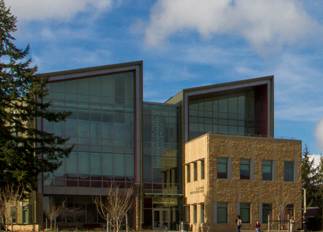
(100, 127)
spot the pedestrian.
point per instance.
(258, 225)
(238, 223)
(291, 224)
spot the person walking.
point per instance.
(291, 224)
(238, 223)
(258, 225)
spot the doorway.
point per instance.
(161, 218)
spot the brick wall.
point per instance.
(233, 190)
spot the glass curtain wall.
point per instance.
(160, 165)
(160, 143)
(101, 128)
(230, 114)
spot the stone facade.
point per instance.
(233, 190)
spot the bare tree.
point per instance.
(114, 206)
(9, 197)
(281, 202)
(53, 212)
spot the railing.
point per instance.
(91, 181)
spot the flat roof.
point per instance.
(246, 137)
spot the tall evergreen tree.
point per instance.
(320, 182)
(25, 150)
(310, 179)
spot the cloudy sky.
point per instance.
(186, 43)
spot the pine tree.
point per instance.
(320, 182)
(25, 150)
(310, 179)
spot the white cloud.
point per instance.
(316, 158)
(319, 134)
(29, 10)
(265, 24)
(297, 88)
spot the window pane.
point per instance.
(267, 170)
(202, 213)
(202, 169)
(222, 217)
(13, 214)
(84, 163)
(188, 171)
(266, 210)
(96, 164)
(101, 124)
(289, 211)
(187, 213)
(194, 213)
(222, 167)
(119, 165)
(244, 169)
(195, 170)
(289, 170)
(223, 114)
(245, 212)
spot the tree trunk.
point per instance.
(5, 223)
(107, 222)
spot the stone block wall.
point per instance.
(233, 190)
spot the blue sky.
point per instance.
(186, 43)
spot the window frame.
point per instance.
(194, 214)
(249, 167)
(221, 205)
(188, 173)
(202, 170)
(202, 208)
(264, 177)
(195, 171)
(263, 216)
(218, 163)
(290, 175)
(249, 211)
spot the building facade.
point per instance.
(256, 178)
(123, 141)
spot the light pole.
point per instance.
(304, 209)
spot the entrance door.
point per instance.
(161, 218)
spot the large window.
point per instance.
(267, 170)
(13, 214)
(188, 172)
(195, 170)
(26, 214)
(266, 212)
(244, 169)
(202, 213)
(222, 213)
(160, 145)
(245, 212)
(194, 214)
(202, 169)
(101, 127)
(288, 170)
(226, 114)
(222, 167)
(289, 210)
(187, 213)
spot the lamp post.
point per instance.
(304, 209)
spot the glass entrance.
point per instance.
(161, 218)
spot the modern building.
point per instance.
(119, 139)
